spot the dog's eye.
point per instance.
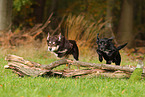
(48, 42)
(53, 43)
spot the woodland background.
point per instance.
(24, 25)
(76, 19)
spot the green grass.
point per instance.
(13, 86)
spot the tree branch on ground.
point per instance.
(27, 68)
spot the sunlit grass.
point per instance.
(13, 86)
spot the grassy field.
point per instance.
(13, 86)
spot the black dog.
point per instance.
(62, 47)
(108, 51)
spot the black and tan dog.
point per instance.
(62, 47)
(108, 51)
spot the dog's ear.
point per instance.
(111, 38)
(59, 37)
(97, 38)
(48, 36)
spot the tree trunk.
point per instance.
(39, 10)
(125, 29)
(108, 18)
(5, 14)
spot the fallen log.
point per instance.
(108, 75)
(27, 68)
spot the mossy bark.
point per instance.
(137, 74)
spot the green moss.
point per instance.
(136, 75)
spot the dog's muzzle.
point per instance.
(102, 48)
(53, 48)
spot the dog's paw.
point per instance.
(100, 59)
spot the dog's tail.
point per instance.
(121, 46)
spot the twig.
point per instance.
(39, 28)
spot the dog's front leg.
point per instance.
(100, 56)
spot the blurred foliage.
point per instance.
(22, 13)
(18, 4)
(94, 10)
(23, 9)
